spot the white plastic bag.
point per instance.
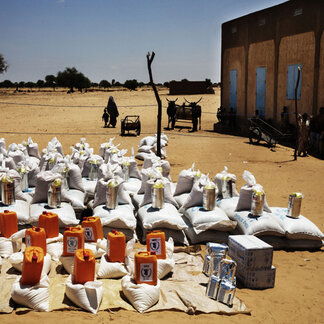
(111, 269)
(87, 296)
(35, 297)
(141, 296)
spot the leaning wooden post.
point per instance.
(296, 113)
(157, 97)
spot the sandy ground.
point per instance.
(299, 288)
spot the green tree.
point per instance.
(3, 64)
(208, 82)
(72, 78)
(131, 84)
(50, 81)
(30, 85)
(6, 84)
(40, 84)
(104, 84)
(166, 84)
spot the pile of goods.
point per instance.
(77, 208)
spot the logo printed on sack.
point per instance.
(88, 234)
(146, 272)
(28, 240)
(72, 244)
(155, 245)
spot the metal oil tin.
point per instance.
(93, 172)
(112, 196)
(206, 265)
(294, 205)
(227, 270)
(54, 196)
(226, 292)
(214, 263)
(227, 187)
(216, 248)
(8, 192)
(257, 203)
(157, 197)
(209, 198)
(213, 286)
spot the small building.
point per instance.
(261, 55)
(189, 87)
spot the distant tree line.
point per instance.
(72, 79)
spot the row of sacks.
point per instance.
(88, 295)
(183, 216)
(273, 225)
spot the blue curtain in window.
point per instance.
(292, 74)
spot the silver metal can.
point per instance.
(8, 192)
(54, 196)
(93, 172)
(216, 248)
(215, 260)
(206, 265)
(112, 197)
(209, 198)
(213, 286)
(227, 188)
(257, 203)
(157, 197)
(227, 270)
(226, 292)
(24, 181)
(294, 205)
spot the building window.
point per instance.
(261, 22)
(298, 11)
(292, 74)
(234, 29)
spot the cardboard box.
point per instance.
(250, 252)
(256, 279)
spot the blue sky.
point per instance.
(109, 39)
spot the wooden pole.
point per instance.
(296, 113)
(157, 97)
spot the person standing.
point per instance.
(303, 134)
(105, 117)
(112, 111)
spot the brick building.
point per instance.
(261, 53)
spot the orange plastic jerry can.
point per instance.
(116, 246)
(8, 223)
(73, 239)
(32, 265)
(50, 222)
(92, 228)
(155, 242)
(146, 268)
(84, 266)
(36, 236)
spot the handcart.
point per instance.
(131, 123)
(261, 130)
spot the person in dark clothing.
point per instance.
(112, 111)
(105, 117)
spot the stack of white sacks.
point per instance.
(148, 147)
(202, 225)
